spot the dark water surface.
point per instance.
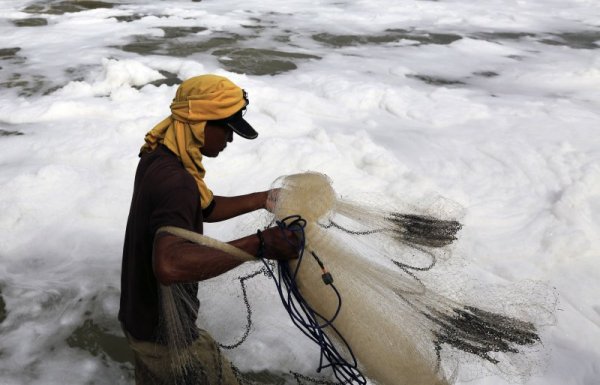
(28, 84)
(261, 45)
(98, 341)
(227, 47)
(150, 45)
(2, 303)
(8, 133)
(130, 18)
(67, 6)
(257, 61)
(31, 22)
(390, 36)
(436, 81)
(9, 53)
(575, 40)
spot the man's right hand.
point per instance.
(280, 244)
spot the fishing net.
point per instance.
(408, 317)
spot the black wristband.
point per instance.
(261, 247)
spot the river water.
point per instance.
(492, 105)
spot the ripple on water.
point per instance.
(170, 79)
(390, 36)
(9, 53)
(423, 37)
(254, 61)
(30, 22)
(179, 47)
(184, 42)
(3, 312)
(176, 32)
(265, 378)
(435, 80)
(130, 18)
(67, 6)
(576, 40)
(486, 74)
(99, 342)
(496, 36)
(29, 84)
(7, 133)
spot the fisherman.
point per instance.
(169, 190)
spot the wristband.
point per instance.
(261, 247)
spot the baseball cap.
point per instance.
(237, 122)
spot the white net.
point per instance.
(406, 320)
(402, 325)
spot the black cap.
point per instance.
(239, 125)
(237, 122)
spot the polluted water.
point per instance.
(428, 113)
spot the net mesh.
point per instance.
(407, 320)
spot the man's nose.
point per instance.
(230, 138)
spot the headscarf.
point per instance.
(198, 99)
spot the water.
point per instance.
(493, 105)
(62, 7)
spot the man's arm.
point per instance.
(177, 260)
(229, 207)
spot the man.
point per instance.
(169, 190)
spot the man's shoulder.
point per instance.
(162, 168)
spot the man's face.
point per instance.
(216, 137)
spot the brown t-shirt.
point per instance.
(164, 194)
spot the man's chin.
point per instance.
(210, 154)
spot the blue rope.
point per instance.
(311, 323)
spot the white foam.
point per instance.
(518, 149)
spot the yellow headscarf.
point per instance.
(201, 98)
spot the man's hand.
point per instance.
(280, 244)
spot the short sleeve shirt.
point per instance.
(164, 194)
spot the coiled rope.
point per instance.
(307, 320)
(310, 322)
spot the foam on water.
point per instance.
(492, 104)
